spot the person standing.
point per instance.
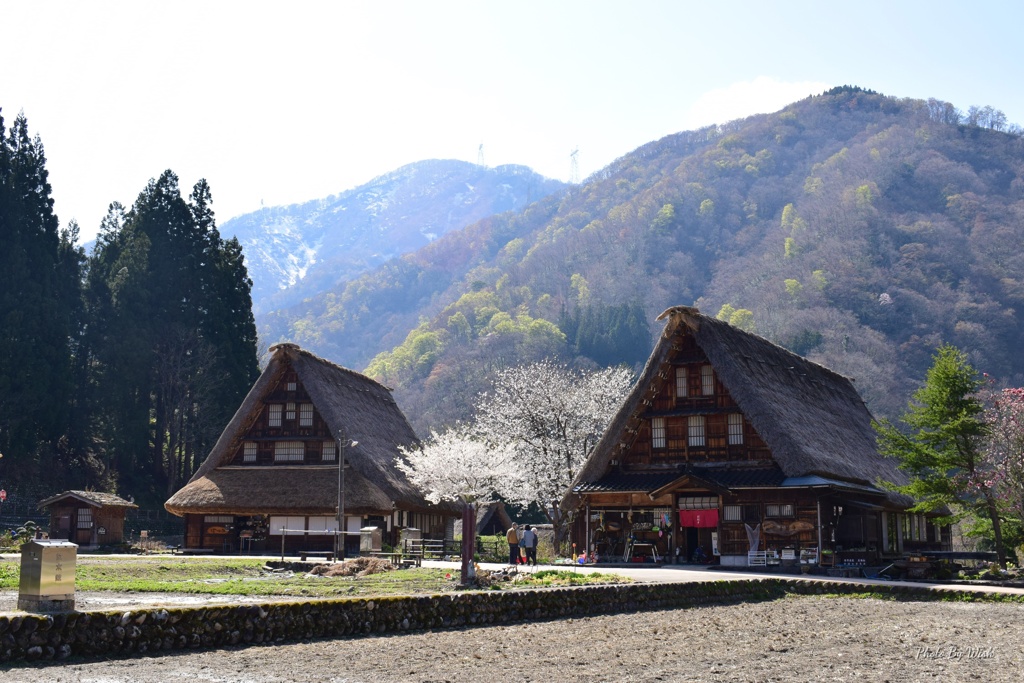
(529, 543)
(513, 544)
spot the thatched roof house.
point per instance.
(276, 463)
(724, 418)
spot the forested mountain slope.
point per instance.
(857, 229)
(295, 252)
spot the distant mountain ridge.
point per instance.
(856, 229)
(295, 252)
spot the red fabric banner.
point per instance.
(701, 519)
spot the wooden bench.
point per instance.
(193, 551)
(326, 554)
(426, 548)
(402, 560)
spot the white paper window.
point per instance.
(84, 518)
(249, 451)
(707, 380)
(329, 452)
(289, 451)
(293, 526)
(289, 411)
(323, 524)
(735, 429)
(682, 377)
(306, 415)
(695, 431)
(732, 513)
(778, 510)
(291, 386)
(274, 416)
(218, 519)
(658, 432)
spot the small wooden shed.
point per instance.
(491, 519)
(88, 518)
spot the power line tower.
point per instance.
(480, 155)
(574, 167)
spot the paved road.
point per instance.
(688, 573)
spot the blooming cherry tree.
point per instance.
(456, 465)
(550, 416)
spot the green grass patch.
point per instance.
(561, 577)
(241, 576)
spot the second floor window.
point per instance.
(249, 451)
(289, 411)
(329, 452)
(682, 382)
(274, 415)
(735, 429)
(289, 451)
(658, 432)
(707, 381)
(695, 436)
(306, 415)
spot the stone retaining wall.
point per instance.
(158, 630)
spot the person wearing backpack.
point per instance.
(529, 543)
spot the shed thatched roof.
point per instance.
(811, 418)
(91, 498)
(485, 515)
(354, 407)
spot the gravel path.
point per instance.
(793, 639)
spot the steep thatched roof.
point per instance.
(91, 498)
(811, 418)
(354, 407)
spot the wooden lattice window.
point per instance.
(682, 382)
(306, 415)
(289, 451)
(735, 429)
(329, 453)
(658, 432)
(707, 381)
(84, 518)
(696, 435)
(249, 449)
(274, 415)
(289, 411)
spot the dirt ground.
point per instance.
(793, 639)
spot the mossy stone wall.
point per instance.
(157, 630)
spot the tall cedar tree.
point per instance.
(40, 304)
(174, 335)
(944, 451)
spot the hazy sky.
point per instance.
(281, 102)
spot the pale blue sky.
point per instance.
(284, 102)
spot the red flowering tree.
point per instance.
(1004, 416)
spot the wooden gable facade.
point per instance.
(733, 450)
(272, 479)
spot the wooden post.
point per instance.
(468, 573)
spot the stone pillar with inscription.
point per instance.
(47, 576)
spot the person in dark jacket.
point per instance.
(529, 544)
